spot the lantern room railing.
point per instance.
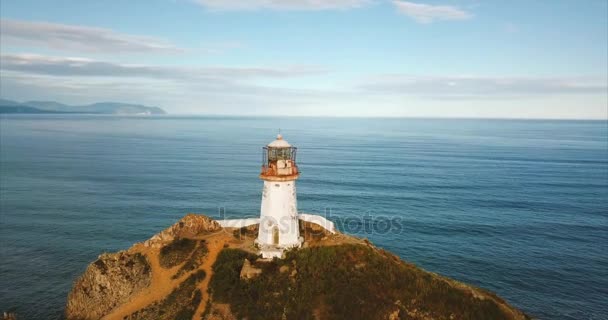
(272, 170)
(279, 161)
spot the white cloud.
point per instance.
(230, 5)
(426, 13)
(483, 87)
(70, 67)
(79, 38)
(204, 89)
(215, 96)
(268, 91)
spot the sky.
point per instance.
(355, 58)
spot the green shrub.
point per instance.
(195, 260)
(176, 252)
(342, 282)
(226, 273)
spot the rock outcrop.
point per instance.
(197, 270)
(191, 225)
(107, 283)
(249, 272)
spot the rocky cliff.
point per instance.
(196, 269)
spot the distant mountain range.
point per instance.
(47, 107)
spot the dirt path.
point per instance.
(162, 284)
(215, 245)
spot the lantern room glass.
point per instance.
(275, 154)
(272, 155)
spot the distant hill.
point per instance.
(25, 109)
(33, 107)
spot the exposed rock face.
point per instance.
(193, 271)
(248, 271)
(114, 279)
(107, 283)
(189, 226)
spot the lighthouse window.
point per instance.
(272, 154)
(279, 154)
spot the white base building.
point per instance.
(271, 251)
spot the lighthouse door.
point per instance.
(275, 235)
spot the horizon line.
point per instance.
(210, 115)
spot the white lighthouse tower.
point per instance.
(278, 228)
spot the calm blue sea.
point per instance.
(517, 207)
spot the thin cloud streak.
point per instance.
(426, 13)
(244, 78)
(80, 38)
(216, 97)
(82, 80)
(68, 67)
(482, 87)
(283, 5)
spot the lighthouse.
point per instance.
(279, 222)
(278, 226)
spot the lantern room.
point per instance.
(279, 161)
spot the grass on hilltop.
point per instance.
(176, 252)
(342, 282)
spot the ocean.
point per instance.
(519, 207)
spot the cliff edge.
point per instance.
(196, 269)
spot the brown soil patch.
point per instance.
(162, 283)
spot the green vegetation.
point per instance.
(246, 232)
(139, 259)
(180, 304)
(195, 260)
(342, 282)
(176, 252)
(226, 273)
